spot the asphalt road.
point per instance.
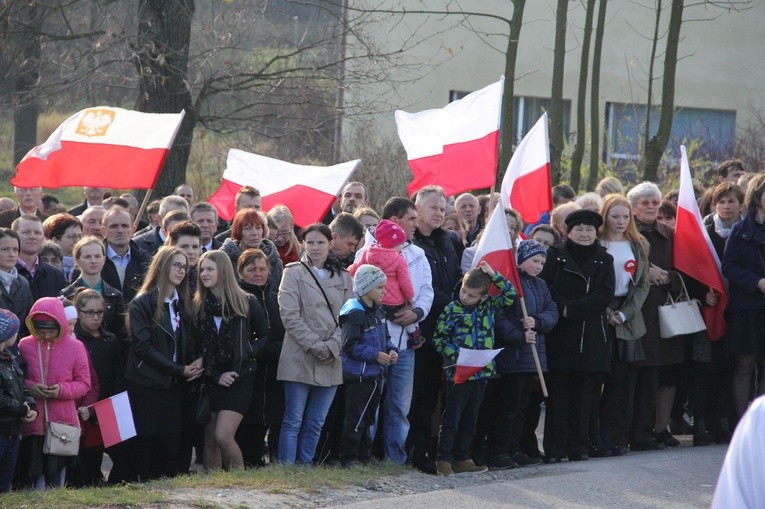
(678, 478)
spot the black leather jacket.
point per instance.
(13, 395)
(150, 359)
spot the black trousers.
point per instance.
(567, 415)
(616, 404)
(427, 383)
(154, 457)
(458, 419)
(644, 413)
(361, 402)
(502, 413)
(532, 414)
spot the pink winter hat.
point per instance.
(389, 235)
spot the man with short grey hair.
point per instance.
(468, 212)
(153, 239)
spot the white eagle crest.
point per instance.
(95, 122)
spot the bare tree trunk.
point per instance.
(162, 57)
(658, 143)
(651, 67)
(581, 97)
(597, 51)
(27, 73)
(556, 96)
(506, 140)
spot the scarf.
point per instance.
(720, 228)
(217, 343)
(579, 253)
(7, 278)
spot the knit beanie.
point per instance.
(389, 234)
(9, 325)
(367, 278)
(528, 249)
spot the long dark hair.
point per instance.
(331, 264)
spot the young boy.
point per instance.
(367, 353)
(16, 403)
(502, 413)
(467, 322)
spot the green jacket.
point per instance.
(471, 327)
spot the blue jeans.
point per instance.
(395, 406)
(305, 408)
(9, 450)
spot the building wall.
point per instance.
(722, 62)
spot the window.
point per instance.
(526, 112)
(625, 128)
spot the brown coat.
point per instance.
(658, 351)
(310, 325)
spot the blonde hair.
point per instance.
(156, 277)
(233, 300)
(281, 214)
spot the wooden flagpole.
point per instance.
(536, 354)
(142, 208)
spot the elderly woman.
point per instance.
(65, 230)
(658, 374)
(744, 267)
(580, 275)
(267, 406)
(248, 230)
(310, 297)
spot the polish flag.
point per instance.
(527, 185)
(470, 362)
(694, 254)
(102, 147)
(115, 419)
(455, 147)
(308, 191)
(496, 248)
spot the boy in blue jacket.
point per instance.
(367, 352)
(502, 413)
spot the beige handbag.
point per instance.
(680, 316)
(61, 439)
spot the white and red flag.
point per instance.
(527, 184)
(308, 191)
(102, 147)
(496, 248)
(115, 418)
(455, 147)
(470, 362)
(693, 252)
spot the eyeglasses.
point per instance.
(91, 313)
(179, 267)
(283, 234)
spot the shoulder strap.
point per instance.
(42, 374)
(326, 299)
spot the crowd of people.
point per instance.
(254, 342)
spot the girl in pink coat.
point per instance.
(66, 370)
(386, 255)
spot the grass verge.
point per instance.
(276, 479)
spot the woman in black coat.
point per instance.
(743, 264)
(267, 406)
(161, 360)
(580, 275)
(232, 328)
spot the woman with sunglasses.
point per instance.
(162, 359)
